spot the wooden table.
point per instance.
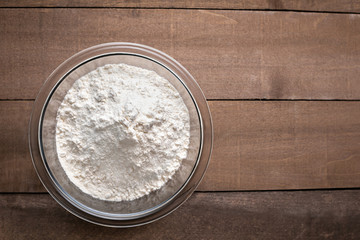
(283, 83)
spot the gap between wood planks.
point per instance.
(229, 100)
(231, 191)
(199, 8)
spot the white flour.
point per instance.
(122, 132)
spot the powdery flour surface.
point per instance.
(122, 132)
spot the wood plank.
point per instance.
(241, 215)
(258, 145)
(16, 170)
(326, 5)
(232, 54)
(284, 145)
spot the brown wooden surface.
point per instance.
(16, 169)
(284, 145)
(232, 54)
(248, 215)
(258, 145)
(324, 5)
(238, 57)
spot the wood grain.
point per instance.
(284, 145)
(232, 54)
(16, 170)
(243, 215)
(299, 5)
(258, 145)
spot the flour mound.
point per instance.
(122, 132)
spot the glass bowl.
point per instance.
(124, 213)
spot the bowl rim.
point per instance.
(50, 86)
